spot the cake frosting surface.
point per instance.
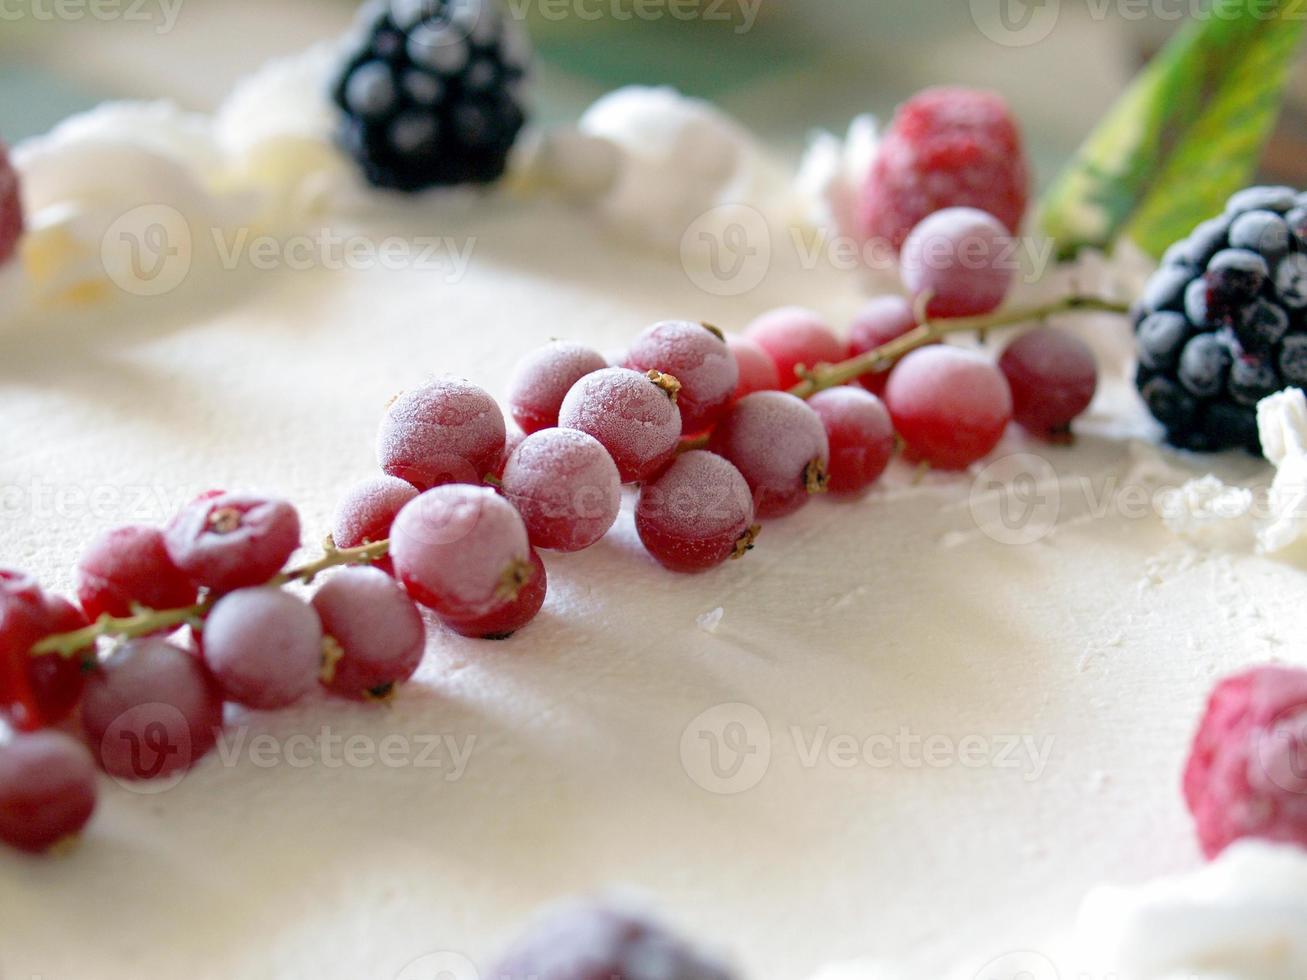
(919, 727)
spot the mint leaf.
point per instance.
(1187, 134)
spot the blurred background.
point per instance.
(781, 66)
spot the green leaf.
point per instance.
(1187, 134)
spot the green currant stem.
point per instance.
(833, 375)
(149, 621)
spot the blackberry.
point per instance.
(597, 942)
(431, 94)
(1222, 324)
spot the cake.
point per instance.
(906, 735)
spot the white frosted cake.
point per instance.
(910, 732)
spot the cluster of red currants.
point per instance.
(718, 432)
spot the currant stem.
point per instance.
(833, 375)
(149, 621)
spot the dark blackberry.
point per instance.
(431, 93)
(1161, 338)
(1277, 199)
(1238, 331)
(1263, 232)
(595, 942)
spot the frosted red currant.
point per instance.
(1053, 376)
(633, 415)
(565, 486)
(446, 431)
(375, 636)
(757, 369)
(697, 356)
(510, 615)
(697, 514)
(951, 406)
(880, 321)
(461, 550)
(365, 513)
(11, 207)
(794, 337)
(128, 567)
(57, 681)
(511, 442)
(231, 540)
(962, 259)
(263, 646)
(544, 377)
(23, 622)
(861, 437)
(150, 711)
(779, 445)
(47, 790)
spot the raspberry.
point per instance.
(365, 513)
(431, 93)
(446, 431)
(591, 941)
(1220, 323)
(1247, 773)
(128, 567)
(231, 541)
(947, 147)
(47, 790)
(11, 207)
(697, 356)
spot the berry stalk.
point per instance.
(833, 375)
(150, 621)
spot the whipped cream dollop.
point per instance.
(111, 193)
(1210, 512)
(1243, 917)
(832, 173)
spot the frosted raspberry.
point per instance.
(11, 207)
(794, 337)
(947, 147)
(446, 431)
(757, 369)
(697, 356)
(1247, 773)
